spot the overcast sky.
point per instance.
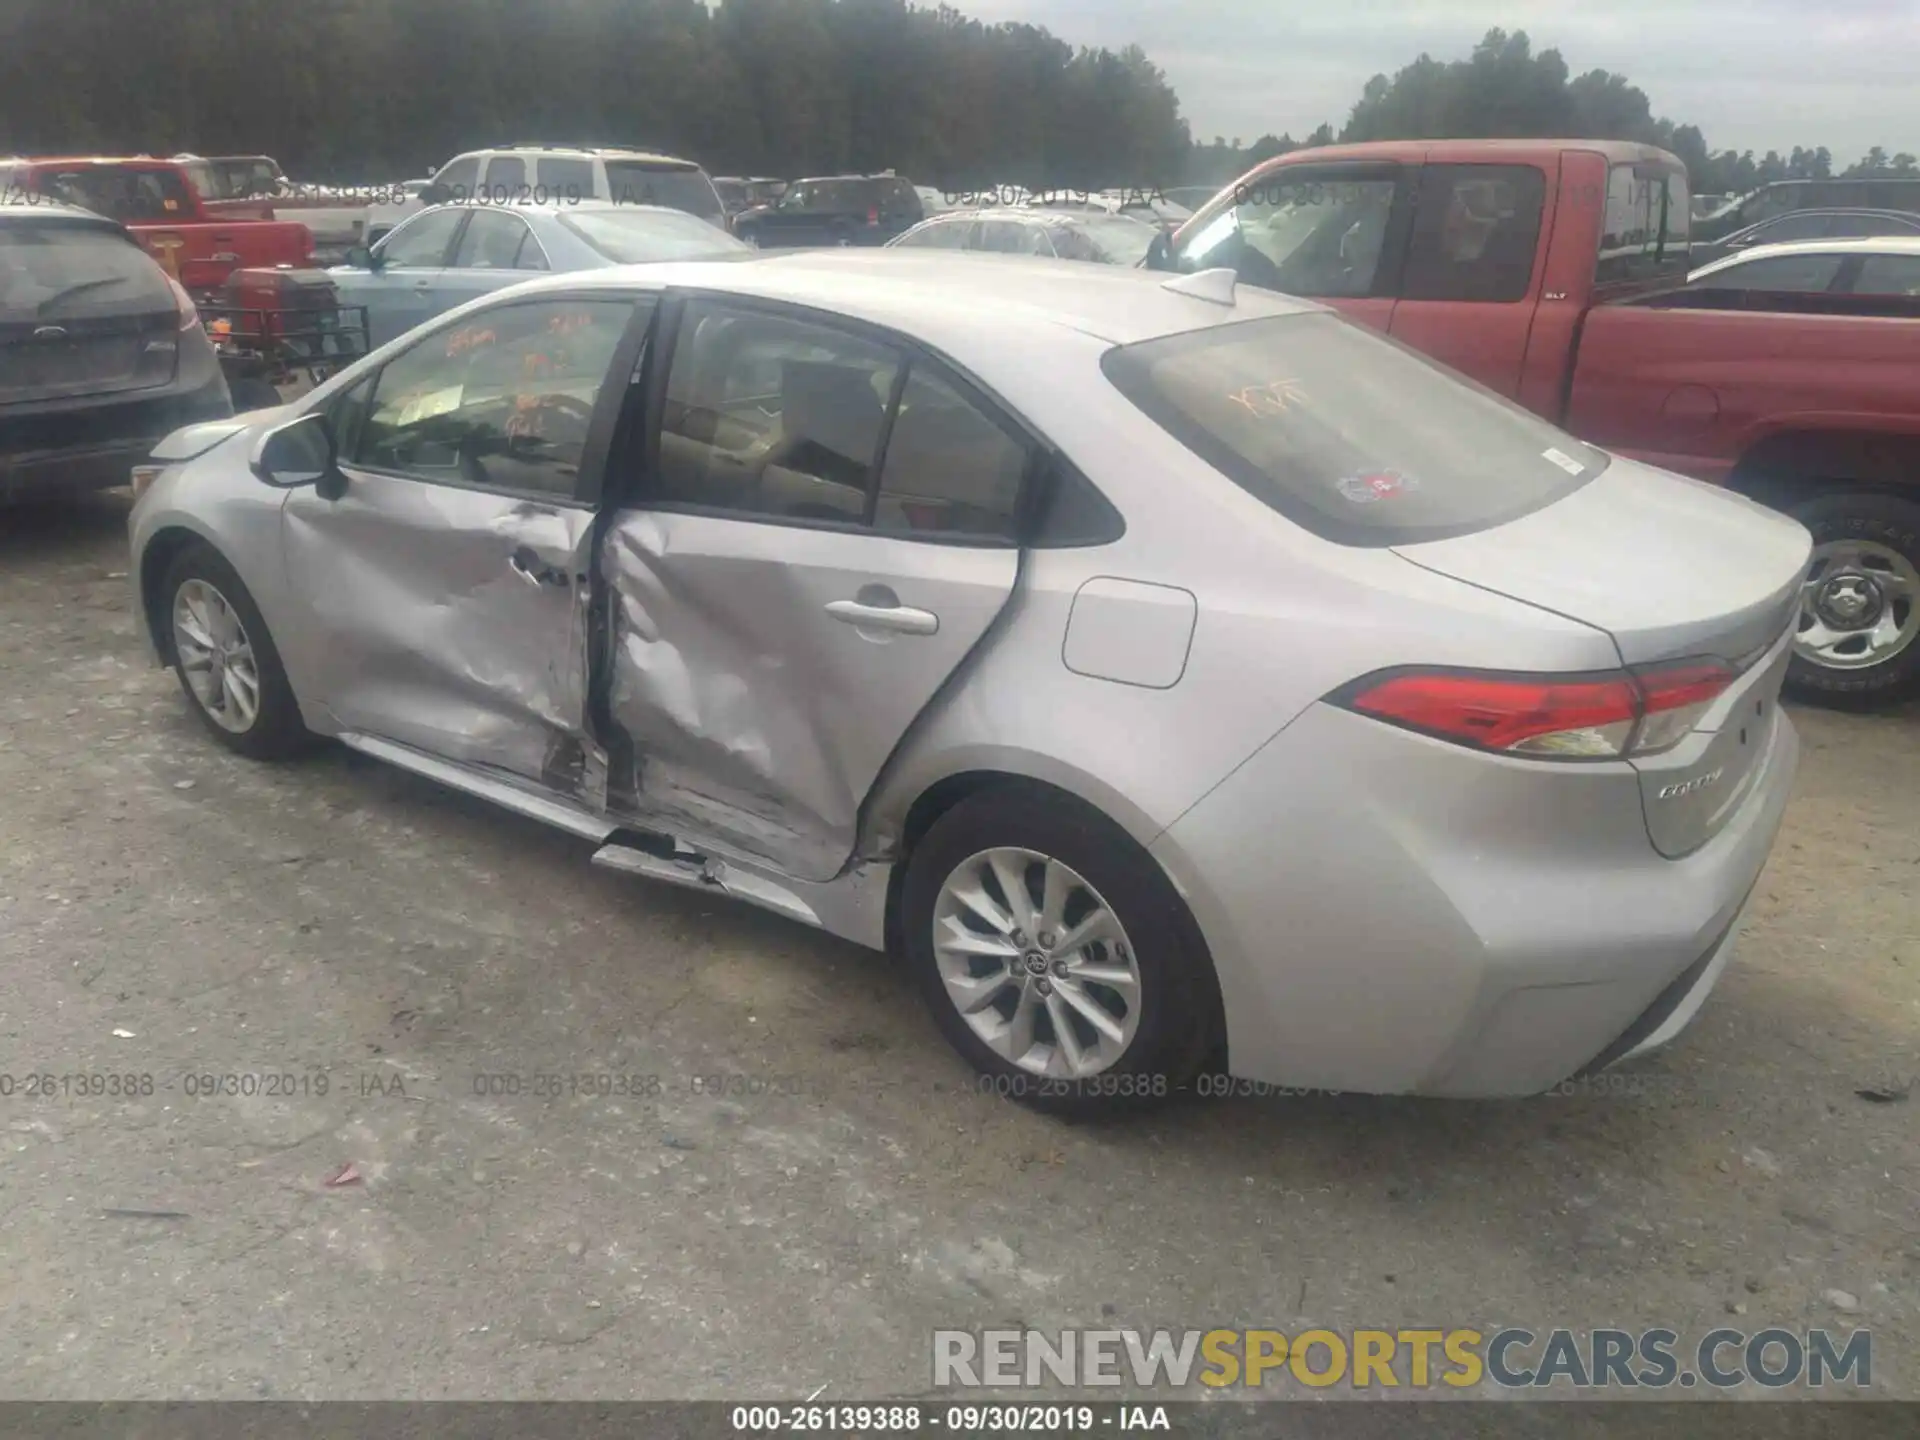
(1753, 74)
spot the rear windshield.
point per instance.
(53, 271)
(1648, 225)
(1350, 435)
(681, 187)
(633, 237)
(128, 195)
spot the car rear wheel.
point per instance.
(1055, 955)
(1857, 645)
(226, 660)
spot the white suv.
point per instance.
(563, 174)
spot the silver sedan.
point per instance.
(1170, 676)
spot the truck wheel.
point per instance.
(252, 395)
(1858, 641)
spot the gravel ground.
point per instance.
(168, 911)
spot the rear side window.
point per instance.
(1648, 224)
(51, 272)
(950, 470)
(124, 194)
(506, 176)
(1475, 232)
(563, 179)
(1350, 435)
(679, 187)
(1793, 273)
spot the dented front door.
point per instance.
(445, 583)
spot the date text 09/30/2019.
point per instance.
(962, 1419)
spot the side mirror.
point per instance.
(301, 452)
(361, 257)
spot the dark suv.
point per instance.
(101, 354)
(834, 210)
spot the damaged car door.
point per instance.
(815, 528)
(445, 569)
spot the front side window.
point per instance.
(421, 243)
(939, 235)
(460, 177)
(1888, 275)
(492, 241)
(1475, 231)
(1803, 225)
(1303, 233)
(501, 402)
(1352, 436)
(772, 416)
(1005, 237)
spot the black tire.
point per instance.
(1885, 520)
(252, 394)
(1178, 1023)
(277, 732)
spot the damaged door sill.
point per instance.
(698, 872)
(549, 809)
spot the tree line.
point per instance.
(357, 91)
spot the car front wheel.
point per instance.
(1055, 954)
(1857, 642)
(226, 661)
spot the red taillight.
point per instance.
(873, 215)
(1571, 717)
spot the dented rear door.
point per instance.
(445, 585)
(819, 535)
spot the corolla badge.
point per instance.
(1688, 787)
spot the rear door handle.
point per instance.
(904, 618)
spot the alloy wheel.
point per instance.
(1859, 606)
(216, 656)
(1037, 963)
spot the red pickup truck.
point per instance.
(1555, 272)
(157, 203)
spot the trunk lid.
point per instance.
(82, 312)
(1671, 569)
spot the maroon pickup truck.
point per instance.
(160, 207)
(1555, 272)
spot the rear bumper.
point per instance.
(79, 448)
(1390, 914)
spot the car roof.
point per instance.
(957, 301)
(1868, 245)
(1879, 212)
(556, 207)
(136, 161)
(580, 152)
